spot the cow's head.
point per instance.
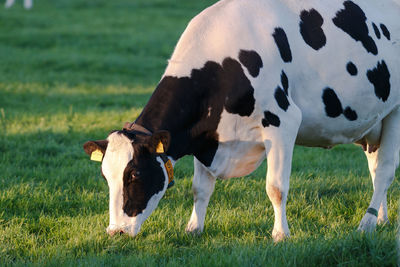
(136, 175)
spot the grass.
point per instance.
(72, 71)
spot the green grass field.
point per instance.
(71, 71)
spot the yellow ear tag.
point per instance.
(160, 148)
(96, 155)
(170, 170)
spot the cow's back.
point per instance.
(315, 71)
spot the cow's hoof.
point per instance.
(279, 236)
(193, 229)
(382, 218)
(368, 223)
(383, 221)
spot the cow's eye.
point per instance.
(135, 173)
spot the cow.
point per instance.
(248, 80)
(27, 4)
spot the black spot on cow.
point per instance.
(282, 43)
(239, 98)
(352, 69)
(333, 106)
(350, 114)
(252, 61)
(281, 98)
(310, 28)
(380, 78)
(376, 30)
(352, 20)
(190, 108)
(270, 119)
(285, 82)
(385, 31)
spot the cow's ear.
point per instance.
(91, 146)
(158, 138)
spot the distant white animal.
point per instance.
(27, 4)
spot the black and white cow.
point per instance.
(248, 80)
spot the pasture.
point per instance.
(73, 70)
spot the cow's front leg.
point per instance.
(279, 142)
(372, 164)
(203, 186)
(383, 168)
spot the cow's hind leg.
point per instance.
(203, 186)
(383, 164)
(279, 143)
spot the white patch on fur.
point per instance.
(241, 149)
(119, 152)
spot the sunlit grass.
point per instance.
(73, 71)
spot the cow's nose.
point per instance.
(114, 229)
(117, 231)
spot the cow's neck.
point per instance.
(183, 109)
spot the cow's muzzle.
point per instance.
(131, 230)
